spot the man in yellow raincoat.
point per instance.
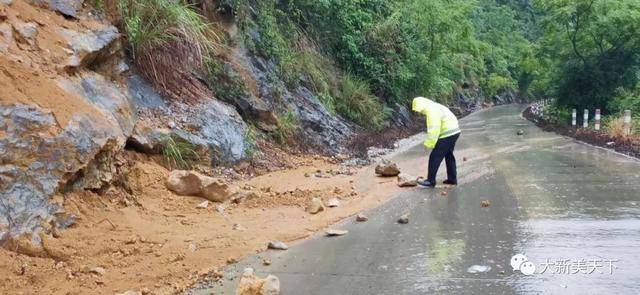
(442, 133)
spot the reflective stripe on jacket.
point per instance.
(441, 122)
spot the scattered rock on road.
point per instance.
(315, 206)
(444, 193)
(336, 232)
(520, 132)
(485, 203)
(387, 169)
(333, 202)
(250, 284)
(404, 219)
(266, 262)
(361, 217)
(277, 245)
(406, 180)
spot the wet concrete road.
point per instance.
(572, 209)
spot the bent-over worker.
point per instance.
(442, 133)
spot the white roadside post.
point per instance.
(574, 116)
(627, 122)
(597, 119)
(585, 121)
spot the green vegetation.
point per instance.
(361, 56)
(251, 141)
(179, 153)
(167, 40)
(287, 127)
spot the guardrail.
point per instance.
(538, 109)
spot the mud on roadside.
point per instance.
(626, 145)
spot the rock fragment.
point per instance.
(485, 203)
(333, 202)
(315, 206)
(387, 169)
(404, 219)
(277, 245)
(98, 270)
(336, 232)
(26, 32)
(406, 180)
(361, 218)
(203, 205)
(520, 132)
(250, 284)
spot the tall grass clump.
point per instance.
(358, 104)
(179, 153)
(287, 127)
(167, 40)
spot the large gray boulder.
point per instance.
(321, 129)
(210, 125)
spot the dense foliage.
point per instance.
(361, 56)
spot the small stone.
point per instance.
(193, 247)
(405, 180)
(315, 206)
(231, 260)
(203, 205)
(271, 285)
(266, 262)
(27, 32)
(520, 132)
(3, 14)
(336, 232)
(404, 219)
(485, 203)
(464, 159)
(130, 292)
(277, 245)
(444, 193)
(307, 175)
(361, 218)
(387, 169)
(98, 270)
(333, 202)
(6, 2)
(238, 227)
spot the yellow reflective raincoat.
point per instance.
(441, 122)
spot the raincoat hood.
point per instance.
(420, 104)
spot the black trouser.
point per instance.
(443, 150)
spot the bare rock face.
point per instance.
(185, 183)
(387, 169)
(406, 180)
(38, 156)
(315, 206)
(68, 8)
(99, 49)
(250, 284)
